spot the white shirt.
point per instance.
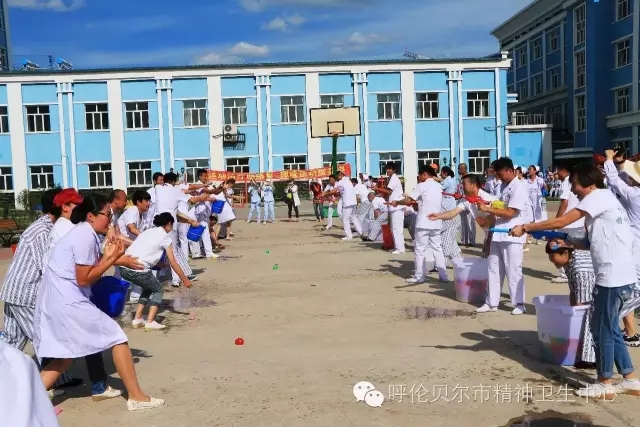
(347, 192)
(396, 191)
(329, 187)
(60, 228)
(130, 216)
(168, 199)
(515, 196)
(428, 194)
(628, 196)
(379, 203)
(149, 246)
(611, 239)
(361, 191)
(472, 208)
(572, 202)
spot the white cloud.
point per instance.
(260, 5)
(248, 49)
(284, 23)
(55, 5)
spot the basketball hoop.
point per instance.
(335, 134)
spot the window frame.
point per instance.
(536, 49)
(106, 174)
(399, 161)
(234, 105)
(6, 179)
(554, 39)
(621, 5)
(472, 161)
(480, 102)
(140, 109)
(194, 115)
(99, 115)
(296, 161)
(391, 106)
(432, 106)
(191, 170)
(623, 52)
(242, 167)
(143, 170)
(292, 108)
(47, 174)
(338, 102)
(580, 76)
(622, 98)
(427, 160)
(326, 164)
(44, 121)
(580, 119)
(535, 80)
(580, 25)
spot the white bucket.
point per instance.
(560, 328)
(470, 277)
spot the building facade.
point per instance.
(575, 66)
(5, 51)
(114, 128)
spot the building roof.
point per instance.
(526, 18)
(484, 59)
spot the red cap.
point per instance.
(68, 195)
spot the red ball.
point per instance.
(239, 341)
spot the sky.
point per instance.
(120, 33)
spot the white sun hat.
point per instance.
(632, 169)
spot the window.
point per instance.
(523, 90)
(623, 9)
(536, 82)
(294, 162)
(41, 177)
(331, 101)
(326, 159)
(427, 106)
(622, 100)
(96, 116)
(477, 104)
(139, 174)
(292, 109)
(395, 158)
(554, 78)
(425, 158)
(555, 115)
(137, 114)
(622, 143)
(389, 106)
(580, 19)
(623, 53)
(581, 113)
(522, 56)
(553, 39)
(6, 179)
(238, 165)
(479, 161)
(3, 57)
(100, 175)
(38, 118)
(536, 49)
(235, 111)
(580, 69)
(195, 112)
(4, 120)
(191, 169)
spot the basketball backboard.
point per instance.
(345, 121)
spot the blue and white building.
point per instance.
(575, 66)
(115, 127)
(5, 51)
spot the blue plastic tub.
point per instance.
(109, 294)
(195, 233)
(217, 205)
(163, 259)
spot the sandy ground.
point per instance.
(332, 314)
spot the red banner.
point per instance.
(302, 175)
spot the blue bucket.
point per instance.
(195, 233)
(217, 205)
(109, 294)
(163, 259)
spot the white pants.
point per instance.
(396, 218)
(348, 215)
(196, 252)
(330, 216)
(505, 259)
(427, 250)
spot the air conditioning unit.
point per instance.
(230, 130)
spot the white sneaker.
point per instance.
(560, 279)
(54, 393)
(347, 238)
(414, 280)
(486, 309)
(153, 326)
(137, 323)
(396, 252)
(134, 405)
(213, 256)
(134, 300)
(631, 387)
(518, 310)
(175, 284)
(598, 391)
(109, 393)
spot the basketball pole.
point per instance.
(334, 154)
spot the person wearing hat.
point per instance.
(65, 200)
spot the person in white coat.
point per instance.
(428, 237)
(347, 192)
(535, 186)
(394, 193)
(292, 199)
(506, 252)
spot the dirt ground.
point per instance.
(331, 314)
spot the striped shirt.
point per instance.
(22, 282)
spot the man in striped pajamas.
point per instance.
(22, 281)
(468, 231)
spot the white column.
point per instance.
(259, 123)
(116, 132)
(268, 110)
(172, 158)
(367, 160)
(355, 80)
(408, 113)
(312, 99)
(163, 165)
(499, 125)
(506, 142)
(452, 130)
(19, 166)
(635, 43)
(461, 156)
(214, 102)
(63, 140)
(72, 140)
